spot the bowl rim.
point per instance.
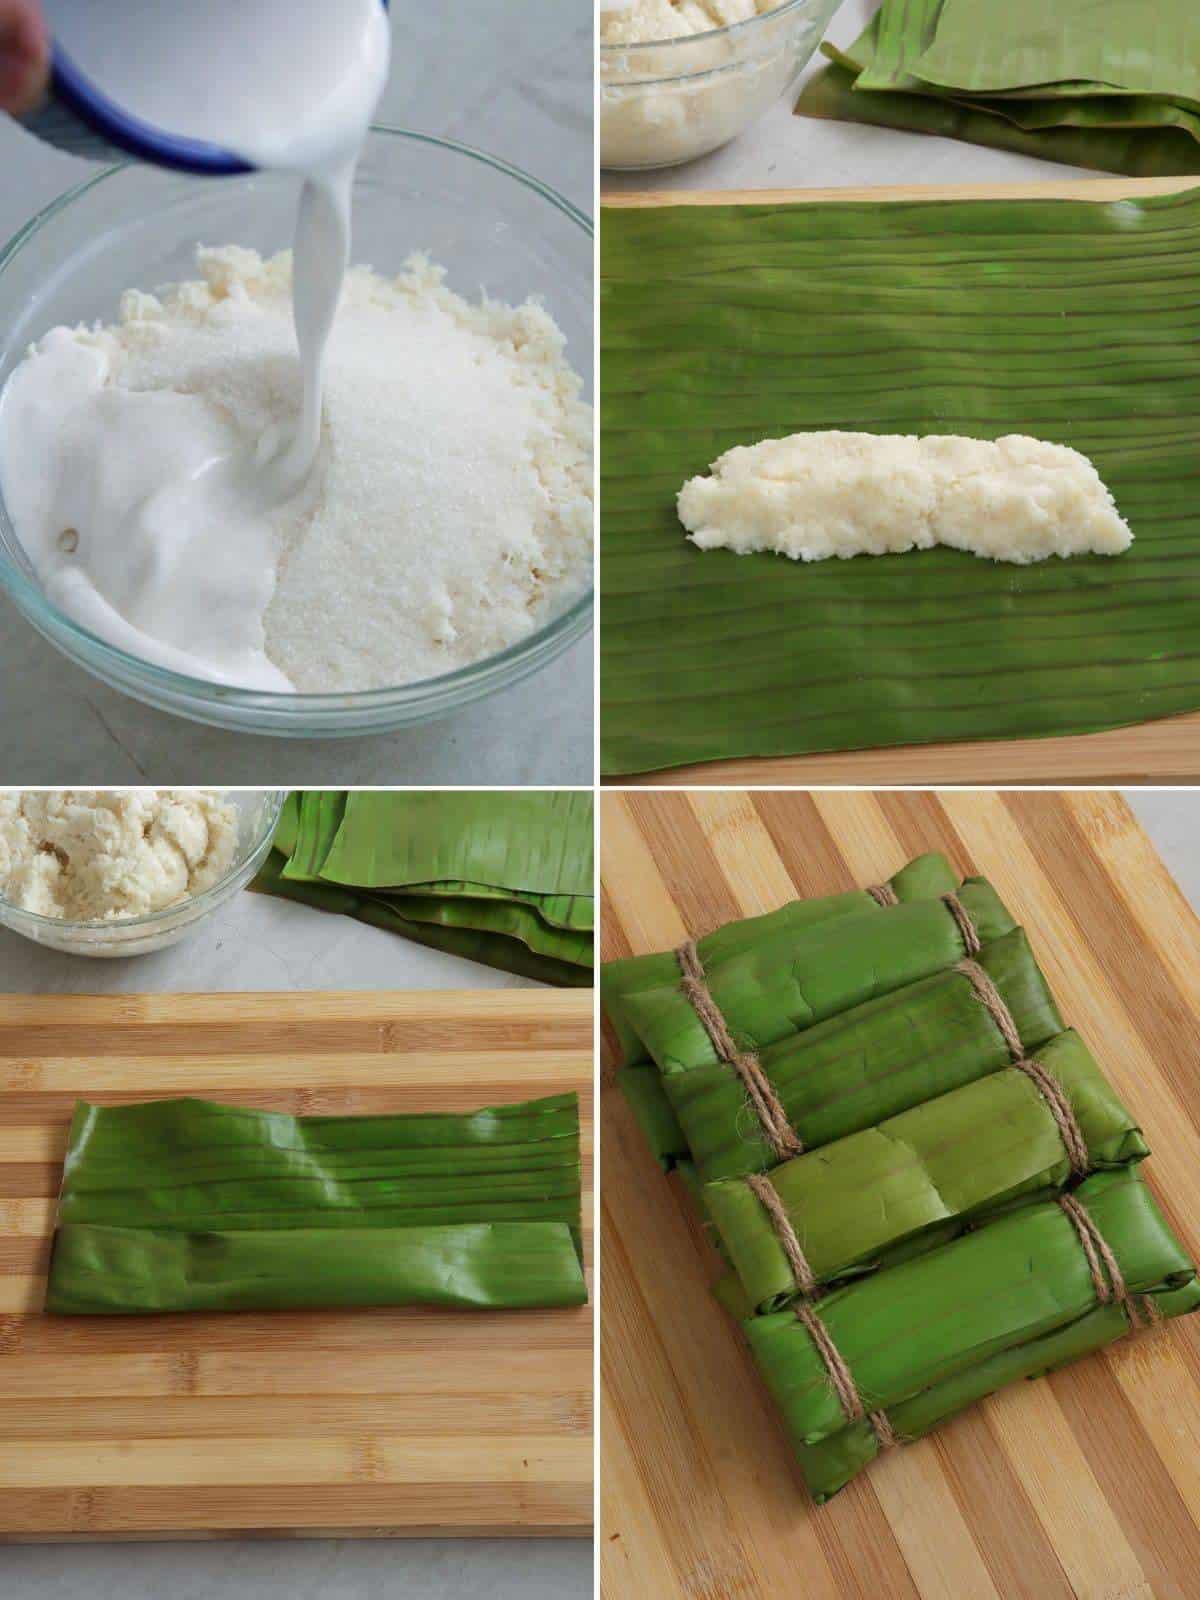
(204, 901)
(565, 626)
(677, 39)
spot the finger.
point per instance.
(24, 55)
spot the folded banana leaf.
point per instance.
(867, 1064)
(928, 877)
(1070, 320)
(489, 949)
(495, 916)
(318, 817)
(932, 1320)
(642, 1086)
(788, 982)
(952, 1161)
(831, 1464)
(481, 921)
(981, 47)
(894, 52)
(533, 840)
(1143, 141)
(186, 1205)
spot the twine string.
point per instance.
(1108, 1280)
(1050, 1090)
(883, 894)
(782, 1138)
(966, 927)
(835, 1364)
(768, 1196)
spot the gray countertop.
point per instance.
(514, 79)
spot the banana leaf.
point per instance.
(831, 1464)
(984, 47)
(867, 1064)
(652, 1111)
(1145, 141)
(926, 878)
(498, 916)
(319, 817)
(952, 1161)
(889, 55)
(531, 840)
(790, 981)
(1072, 320)
(186, 1205)
(489, 949)
(933, 1319)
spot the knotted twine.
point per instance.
(1051, 1092)
(777, 1130)
(1108, 1280)
(839, 1372)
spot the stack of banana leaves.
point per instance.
(1108, 84)
(505, 879)
(920, 1181)
(182, 1205)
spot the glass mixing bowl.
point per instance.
(671, 100)
(495, 230)
(258, 812)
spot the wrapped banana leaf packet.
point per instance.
(921, 1183)
(504, 879)
(183, 1205)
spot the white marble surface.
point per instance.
(783, 151)
(515, 78)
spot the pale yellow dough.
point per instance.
(105, 854)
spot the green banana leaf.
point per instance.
(831, 1464)
(187, 1205)
(1148, 142)
(928, 877)
(985, 47)
(890, 53)
(642, 1087)
(489, 949)
(319, 818)
(498, 916)
(531, 840)
(574, 911)
(868, 1064)
(1017, 1279)
(789, 981)
(1071, 320)
(953, 1160)
(100, 1271)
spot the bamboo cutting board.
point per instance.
(1085, 1484)
(1164, 751)
(375, 1422)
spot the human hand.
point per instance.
(24, 55)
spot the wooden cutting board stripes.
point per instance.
(1085, 1484)
(357, 1423)
(1164, 751)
